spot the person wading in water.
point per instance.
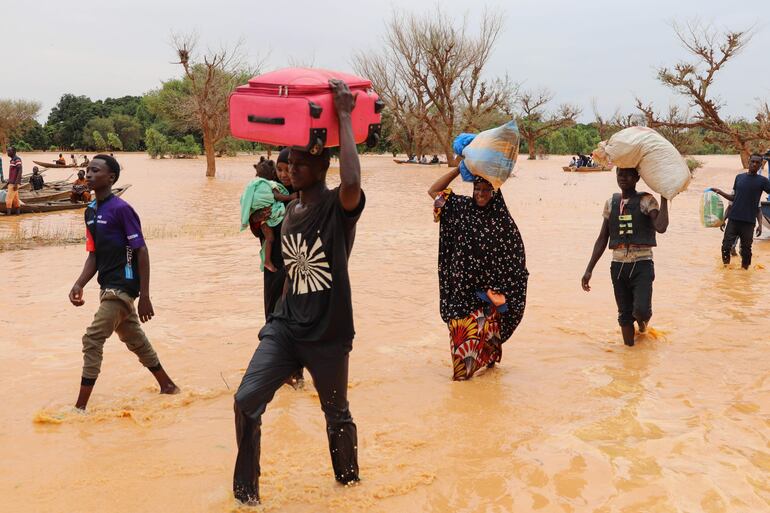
(117, 252)
(631, 220)
(482, 271)
(312, 326)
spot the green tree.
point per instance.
(156, 143)
(33, 134)
(114, 142)
(69, 117)
(129, 130)
(556, 144)
(14, 114)
(100, 125)
(127, 105)
(99, 143)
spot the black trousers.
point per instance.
(276, 357)
(632, 283)
(738, 230)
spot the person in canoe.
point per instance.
(36, 179)
(85, 161)
(73, 160)
(81, 192)
(60, 161)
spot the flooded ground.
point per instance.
(571, 421)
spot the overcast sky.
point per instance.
(603, 49)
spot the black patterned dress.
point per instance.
(480, 249)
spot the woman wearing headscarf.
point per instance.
(482, 273)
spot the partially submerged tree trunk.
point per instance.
(212, 81)
(208, 149)
(531, 146)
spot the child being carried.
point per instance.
(262, 208)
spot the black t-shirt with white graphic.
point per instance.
(316, 244)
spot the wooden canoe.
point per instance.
(58, 205)
(52, 165)
(45, 195)
(24, 181)
(594, 169)
(419, 163)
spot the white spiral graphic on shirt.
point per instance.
(308, 270)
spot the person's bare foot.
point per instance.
(164, 381)
(642, 326)
(170, 389)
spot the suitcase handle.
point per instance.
(267, 121)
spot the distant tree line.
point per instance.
(430, 70)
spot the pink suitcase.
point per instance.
(294, 107)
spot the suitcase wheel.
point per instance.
(373, 139)
(317, 146)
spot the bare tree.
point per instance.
(675, 129)
(712, 51)
(627, 120)
(763, 119)
(430, 74)
(211, 80)
(535, 122)
(618, 121)
(605, 126)
(14, 114)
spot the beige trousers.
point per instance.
(116, 314)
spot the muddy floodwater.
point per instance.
(570, 421)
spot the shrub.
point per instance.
(23, 146)
(186, 148)
(693, 163)
(156, 142)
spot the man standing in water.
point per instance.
(631, 220)
(313, 325)
(116, 250)
(744, 211)
(12, 205)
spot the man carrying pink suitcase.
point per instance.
(312, 326)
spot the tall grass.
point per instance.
(40, 235)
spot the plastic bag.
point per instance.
(659, 163)
(492, 153)
(712, 210)
(459, 144)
